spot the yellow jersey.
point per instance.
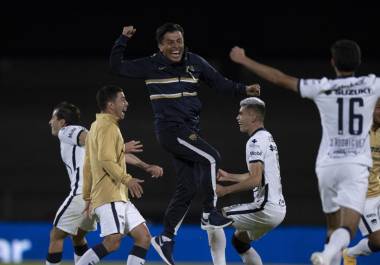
(104, 171)
(374, 176)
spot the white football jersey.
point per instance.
(346, 108)
(262, 148)
(73, 156)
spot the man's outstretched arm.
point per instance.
(266, 72)
(215, 80)
(121, 66)
(154, 170)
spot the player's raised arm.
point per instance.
(119, 65)
(266, 72)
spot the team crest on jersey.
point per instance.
(190, 69)
(193, 137)
(253, 144)
(273, 147)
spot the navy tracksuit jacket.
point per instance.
(173, 90)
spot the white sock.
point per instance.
(339, 240)
(336, 260)
(89, 257)
(251, 257)
(217, 243)
(133, 260)
(76, 258)
(360, 249)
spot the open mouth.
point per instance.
(176, 54)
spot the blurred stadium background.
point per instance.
(48, 57)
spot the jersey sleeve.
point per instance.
(377, 85)
(129, 68)
(256, 149)
(70, 134)
(310, 88)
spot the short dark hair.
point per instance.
(346, 55)
(254, 104)
(106, 94)
(167, 27)
(67, 111)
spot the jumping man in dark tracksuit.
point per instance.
(172, 77)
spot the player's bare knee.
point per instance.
(240, 246)
(57, 235)
(112, 242)
(142, 236)
(112, 246)
(147, 239)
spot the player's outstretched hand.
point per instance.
(253, 90)
(135, 188)
(129, 31)
(237, 54)
(155, 171)
(133, 147)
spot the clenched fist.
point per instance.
(237, 54)
(129, 31)
(253, 90)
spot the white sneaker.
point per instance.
(317, 258)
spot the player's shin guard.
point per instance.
(93, 255)
(137, 256)
(53, 258)
(240, 246)
(247, 254)
(79, 251)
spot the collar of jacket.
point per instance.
(108, 117)
(165, 61)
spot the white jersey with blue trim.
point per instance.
(346, 108)
(73, 155)
(261, 148)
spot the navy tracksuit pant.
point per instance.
(196, 163)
